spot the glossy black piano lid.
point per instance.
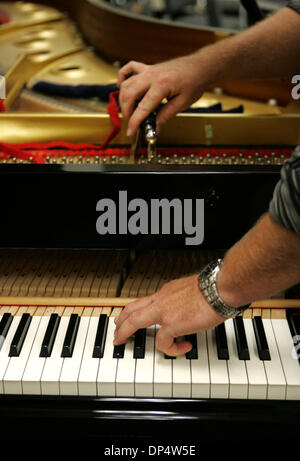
(66, 196)
(134, 422)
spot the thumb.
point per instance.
(165, 342)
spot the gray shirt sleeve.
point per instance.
(285, 205)
(294, 4)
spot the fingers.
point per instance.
(140, 318)
(168, 110)
(165, 342)
(132, 67)
(132, 90)
(146, 86)
(131, 307)
(140, 314)
(148, 104)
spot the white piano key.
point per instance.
(53, 364)
(31, 380)
(106, 378)
(126, 372)
(162, 374)
(238, 381)
(200, 369)
(4, 353)
(182, 383)
(89, 365)
(12, 381)
(68, 381)
(219, 388)
(144, 371)
(289, 362)
(255, 367)
(274, 372)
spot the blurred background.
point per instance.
(227, 14)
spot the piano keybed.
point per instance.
(68, 350)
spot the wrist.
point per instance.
(208, 284)
(228, 290)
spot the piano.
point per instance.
(62, 283)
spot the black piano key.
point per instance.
(50, 335)
(71, 334)
(4, 327)
(193, 353)
(100, 339)
(119, 351)
(139, 344)
(169, 357)
(20, 335)
(221, 341)
(261, 340)
(294, 322)
(241, 339)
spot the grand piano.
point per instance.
(62, 281)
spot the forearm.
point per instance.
(265, 261)
(269, 49)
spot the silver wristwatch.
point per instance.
(208, 284)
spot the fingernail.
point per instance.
(129, 132)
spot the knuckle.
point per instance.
(149, 73)
(126, 310)
(144, 107)
(134, 318)
(126, 92)
(124, 85)
(163, 79)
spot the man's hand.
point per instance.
(180, 81)
(267, 50)
(179, 307)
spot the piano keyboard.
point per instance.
(69, 351)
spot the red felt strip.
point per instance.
(4, 17)
(15, 150)
(2, 107)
